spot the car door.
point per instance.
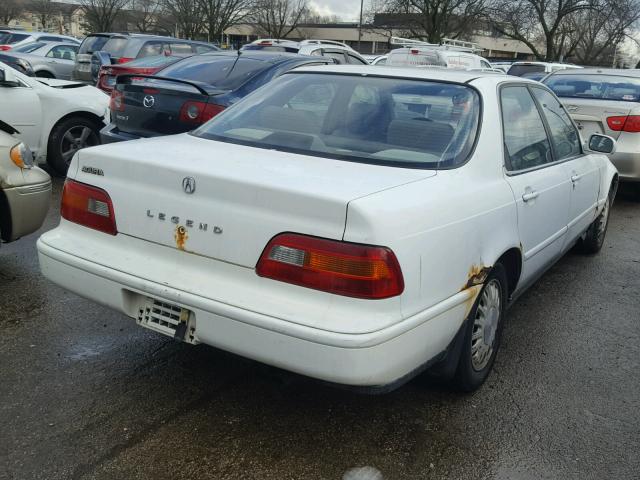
(20, 107)
(62, 59)
(539, 183)
(582, 169)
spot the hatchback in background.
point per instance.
(143, 66)
(119, 48)
(10, 39)
(191, 91)
(342, 53)
(520, 68)
(48, 59)
(605, 101)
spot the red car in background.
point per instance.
(143, 66)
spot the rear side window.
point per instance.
(387, 121)
(203, 48)
(525, 138)
(602, 87)
(353, 60)
(180, 48)
(150, 49)
(566, 142)
(519, 70)
(93, 43)
(115, 46)
(224, 72)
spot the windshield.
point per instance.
(93, 43)
(520, 70)
(226, 72)
(389, 121)
(29, 47)
(603, 87)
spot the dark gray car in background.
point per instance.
(100, 49)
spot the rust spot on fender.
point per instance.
(476, 276)
(181, 237)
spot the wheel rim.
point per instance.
(485, 325)
(74, 139)
(603, 218)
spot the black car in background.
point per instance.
(186, 94)
(100, 49)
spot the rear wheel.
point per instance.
(482, 332)
(44, 74)
(67, 138)
(594, 237)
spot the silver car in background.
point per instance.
(605, 101)
(48, 59)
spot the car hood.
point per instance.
(63, 84)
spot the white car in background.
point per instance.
(520, 69)
(353, 224)
(55, 118)
(452, 54)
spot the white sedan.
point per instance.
(55, 118)
(352, 224)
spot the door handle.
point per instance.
(575, 178)
(530, 195)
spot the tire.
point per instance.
(593, 238)
(482, 340)
(67, 137)
(44, 74)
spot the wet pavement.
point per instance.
(86, 394)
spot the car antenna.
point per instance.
(234, 65)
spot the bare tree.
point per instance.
(101, 15)
(145, 14)
(543, 25)
(434, 20)
(44, 11)
(278, 18)
(218, 15)
(10, 10)
(186, 16)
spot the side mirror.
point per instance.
(601, 144)
(98, 60)
(7, 78)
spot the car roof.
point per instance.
(265, 56)
(635, 73)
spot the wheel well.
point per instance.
(5, 218)
(44, 74)
(614, 187)
(88, 115)
(511, 260)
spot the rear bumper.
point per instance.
(111, 134)
(374, 358)
(28, 207)
(627, 156)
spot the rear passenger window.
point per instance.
(151, 48)
(180, 49)
(525, 139)
(352, 60)
(337, 56)
(564, 135)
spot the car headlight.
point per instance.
(21, 155)
(24, 64)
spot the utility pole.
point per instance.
(360, 25)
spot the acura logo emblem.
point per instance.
(189, 184)
(148, 101)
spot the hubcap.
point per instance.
(602, 221)
(75, 139)
(485, 325)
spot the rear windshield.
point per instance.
(387, 121)
(93, 43)
(603, 87)
(414, 57)
(224, 72)
(520, 70)
(9, 38)
(29, 47)
(152, 61)
(271, 48)
(115, 46)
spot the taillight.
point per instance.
(349, 269)
(5, 47)
(88, 206)
(198, 112)
(116, 104)
(124, 60)
(414, 51)
(629, 123)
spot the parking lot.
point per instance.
(85, 393)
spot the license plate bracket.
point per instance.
(167, 318)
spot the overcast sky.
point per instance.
(347, 10)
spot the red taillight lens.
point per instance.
(198, 112)
(88, 206)
(349, 269)
(5, 47)
(629, 124)
(116, 104)
(124, 60)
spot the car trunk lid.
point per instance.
(591, 115)
(226, 201)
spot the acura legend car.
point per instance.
(354, 224)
